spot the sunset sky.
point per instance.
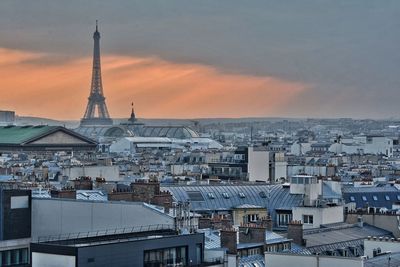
(192, 59)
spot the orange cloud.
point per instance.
(32, 86)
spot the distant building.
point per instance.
(43, 138)
(147, 247)
(7, 117)
(60, 216)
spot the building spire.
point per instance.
(132, 119)
(97, 28)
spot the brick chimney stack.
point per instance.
(229, 240)
(267, 223)
(295, 232)
(251, 233)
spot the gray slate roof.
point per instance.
(210, 198)
(376, 196)
(341, 241)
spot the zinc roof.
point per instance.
(331, 236)
(22, 134)
(226, 197)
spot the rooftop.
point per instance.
(390, 259)
(110, 236)
(326, 236)
(226, 197)
(20, 134)
(179, 132)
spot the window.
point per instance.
(364, 198)
(308, 219)
(14, 257)
(242, 195)
(375, 198)
(252, 218)
(286, 246)
(195, 195)
(352, 199)
(387, 198)
(398, 197)
(210, 195)
(262, 194)
(254, 251)
(225, 195)
(284, 219)
(199, 252)
(176, 256)
(19, 202)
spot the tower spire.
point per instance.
(96, 111)
(132, 119)
(97, 29)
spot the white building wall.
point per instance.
(63, 216)
(364, 144)
(258, 165)
(384, 245)
(379, 145)
(300, 148)
(110, 173)
(123, 145)
(52, 260)
(280, 170)
(290, 260)
(320, 215)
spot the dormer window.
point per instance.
(210, 195)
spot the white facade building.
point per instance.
(370, 144)
(258, 164)
(129, 145)
(289, 260)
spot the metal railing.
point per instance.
(106, 232)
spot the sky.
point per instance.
(203, 58)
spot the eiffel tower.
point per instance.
(96, 111)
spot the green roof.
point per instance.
(21, 134)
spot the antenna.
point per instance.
(96, 25)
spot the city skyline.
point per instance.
(332, 60)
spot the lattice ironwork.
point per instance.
(96, 111)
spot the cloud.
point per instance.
(33, 85)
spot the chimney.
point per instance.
(204, 223)
(360, 221)
(295, 232)
(229, 240)
(267, 223)
(251, 233)
(66, 193)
